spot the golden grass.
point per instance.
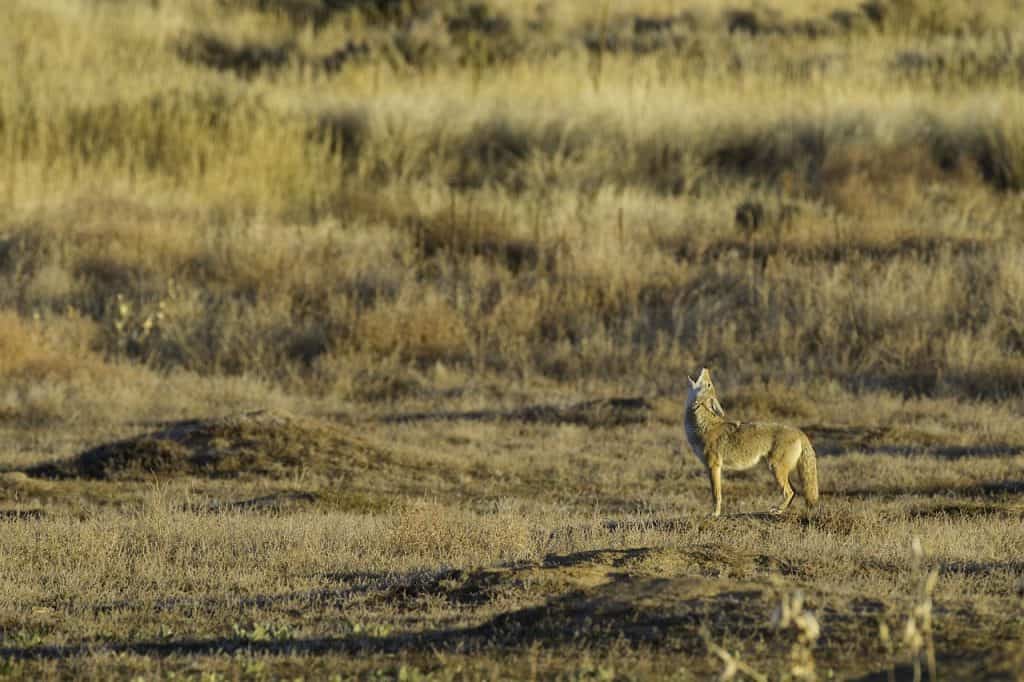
(618, 207)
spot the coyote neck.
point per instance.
(702, 419)
(700, 422)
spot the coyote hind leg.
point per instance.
(782, 477)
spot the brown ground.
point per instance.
(489, 542)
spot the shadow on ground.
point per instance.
(838, 440)
(594, 597)
(593, 413)
(639, 597)
(987, 489)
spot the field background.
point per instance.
(427, 277)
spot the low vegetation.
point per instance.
(348, 337)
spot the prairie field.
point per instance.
(348, 339)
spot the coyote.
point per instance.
(721, 444)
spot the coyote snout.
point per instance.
(722, 444)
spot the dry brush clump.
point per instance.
(918, 635)
(252, 212)
(51, 372)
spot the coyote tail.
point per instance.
(808, 467)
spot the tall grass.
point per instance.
(308, 196)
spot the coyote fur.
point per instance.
(723, 444)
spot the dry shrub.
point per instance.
(857, 177)
(51, 285)
(416, 327)
(516, 315)
(980, 143)
(755, 400)
(1008, 299)
(354, 376)
(49, 371)
(791, 615)
(462, 232)
(58, 350)
(925, 18)
(769, 149)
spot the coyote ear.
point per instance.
(692, 382)
(705, 374)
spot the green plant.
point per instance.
(263, 631)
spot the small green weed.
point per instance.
(263, 632)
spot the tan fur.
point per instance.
(722, 444)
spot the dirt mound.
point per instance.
(269, 444)
(638, 594)
(656, 597)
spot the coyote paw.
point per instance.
(776, 510)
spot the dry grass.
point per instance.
(460, 547)
(452, 236)
(451, 206)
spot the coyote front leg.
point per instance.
(715, 474)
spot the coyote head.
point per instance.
(702, 394)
